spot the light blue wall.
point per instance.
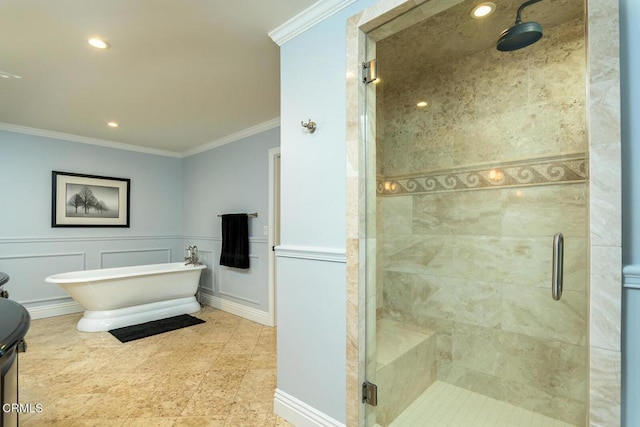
(25, 174)
(313, 85)
(174, 203)
(630, 109)
(30, 249)
(227, 179)
(232, 178)
(311, 304)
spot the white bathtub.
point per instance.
(117, 297)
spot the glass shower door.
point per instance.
(480, 160)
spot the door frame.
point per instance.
(274, 229)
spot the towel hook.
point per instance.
(310, 126)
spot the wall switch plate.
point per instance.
(265, 230)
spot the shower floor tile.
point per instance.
(444, 405)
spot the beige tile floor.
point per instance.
(219, 373)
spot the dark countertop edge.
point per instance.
(13, 337)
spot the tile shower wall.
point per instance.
(515, 106)
(475, 265)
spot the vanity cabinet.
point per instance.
(14, 324)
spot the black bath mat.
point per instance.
(147, 329)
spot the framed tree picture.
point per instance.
(89, 201)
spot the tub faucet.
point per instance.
(192, 256)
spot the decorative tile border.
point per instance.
(529, 172)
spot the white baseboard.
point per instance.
(299, 413)
(52, 310)
(248, 313)
(69, 307)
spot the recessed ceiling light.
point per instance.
(483, 10)
(422, 104)
(98, 43)
(112, 124)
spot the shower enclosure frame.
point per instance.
(604, 218)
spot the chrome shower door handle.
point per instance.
(557, 269)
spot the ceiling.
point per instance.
(178, 74)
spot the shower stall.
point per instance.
(477, 157)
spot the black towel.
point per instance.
(235, 241)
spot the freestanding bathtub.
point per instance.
(124, 296)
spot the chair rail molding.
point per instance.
(312, 253)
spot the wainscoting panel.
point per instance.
(207, 276)
(238, 291)
(130, 257)
(631, 343)
(240, 284)
(28, 261)
(311, 318)
(28, 271)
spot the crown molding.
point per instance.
(270, 124)
(253, 130)
(85, 140)
(306, 19)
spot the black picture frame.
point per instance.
(80, 200)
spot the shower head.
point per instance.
(522, 34)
